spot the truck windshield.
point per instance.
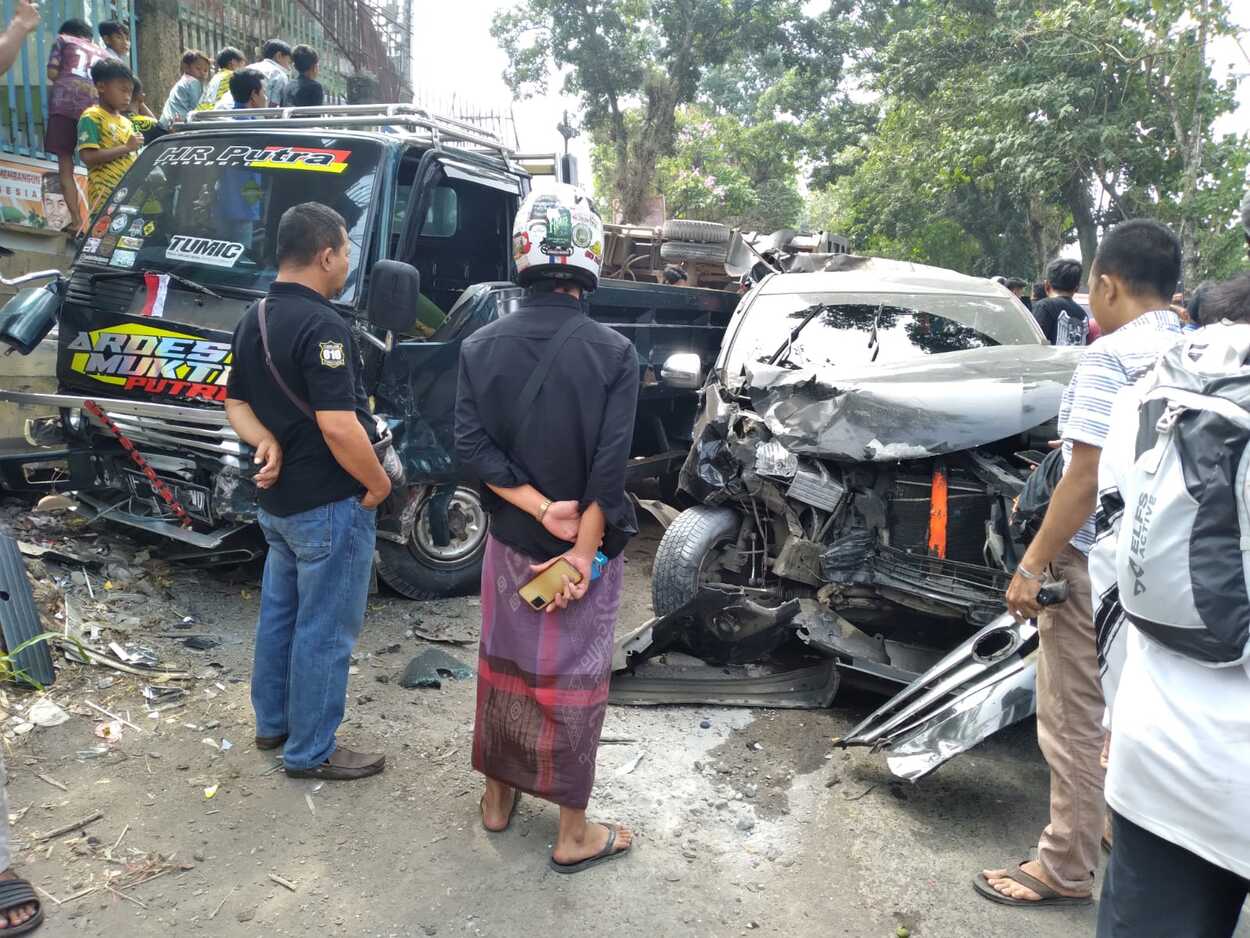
(208, 207)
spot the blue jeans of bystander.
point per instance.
(312, 607)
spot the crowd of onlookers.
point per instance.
(98, 112)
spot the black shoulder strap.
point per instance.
(530, 392)
(264, 341)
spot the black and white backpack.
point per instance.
(1183, 555)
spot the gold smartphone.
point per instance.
(539, 591)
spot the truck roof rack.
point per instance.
(398, 117)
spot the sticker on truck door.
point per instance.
(204, 251)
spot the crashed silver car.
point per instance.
(861, 441)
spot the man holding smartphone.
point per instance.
(297, 395)
(545, 419)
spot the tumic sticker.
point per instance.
(206, 251)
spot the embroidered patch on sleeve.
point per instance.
(332, 354)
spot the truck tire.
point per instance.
(421, 569)
(690, 251)
(684, 553)
(700, 232)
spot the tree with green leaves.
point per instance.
(634, 63)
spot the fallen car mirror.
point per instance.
(29, 316)
(682, 370)
(394, 295)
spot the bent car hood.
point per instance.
(942, 404)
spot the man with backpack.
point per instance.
(1174, 518)
(1063, 320)
(1132, 280)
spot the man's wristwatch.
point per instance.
(542, 509)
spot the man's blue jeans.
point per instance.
(312, 607)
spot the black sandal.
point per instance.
(18, 892)
(609, 852)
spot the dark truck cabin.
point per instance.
(417, 390)
(446, 211)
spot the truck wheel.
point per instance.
(700, 232)
(690, 251)
(422, 569)
(688, 554)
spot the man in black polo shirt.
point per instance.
(319, 516)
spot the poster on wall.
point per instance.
(30, 195)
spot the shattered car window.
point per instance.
(806, 331)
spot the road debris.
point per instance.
(69, 828)
(45, 713)
(284, 883)
(429, 668)
(112, 716)
(51, 781)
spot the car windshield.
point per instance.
(208, 208)
(816, 331)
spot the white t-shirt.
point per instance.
(1180, 752)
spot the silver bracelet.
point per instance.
(1025, 573)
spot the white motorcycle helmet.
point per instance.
(558, 235)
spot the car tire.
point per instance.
(415, 570)
(690, 251)
(684, 551)
(699, 232)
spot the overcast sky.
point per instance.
(455, 57)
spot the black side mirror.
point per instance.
(394, 292)
(29, 316)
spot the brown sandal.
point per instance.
(1047, 896)
(481, 806)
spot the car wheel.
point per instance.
(688, 555)
(700, 232)
(422, 569)
(690, 251)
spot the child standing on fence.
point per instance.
(217, 94)
(116, 39)
(72, 91)
(184, 96)
(107, 141)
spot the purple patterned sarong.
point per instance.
(542, 681)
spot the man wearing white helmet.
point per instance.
(545, 419)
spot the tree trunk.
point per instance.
(1077, 195)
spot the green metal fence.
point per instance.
(23, 104)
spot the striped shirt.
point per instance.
(1113, 362)
(99, 129)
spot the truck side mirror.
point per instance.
(682, 370)
(29, 316)
(394, 292)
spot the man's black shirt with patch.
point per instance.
(312, 349)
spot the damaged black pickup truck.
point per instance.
(187, 242)
(863, 436)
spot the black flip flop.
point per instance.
(481, 808)
(1048, 896)
(607, 853)
(15, 892)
